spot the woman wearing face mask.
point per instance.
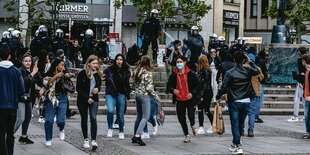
(183, 84)
(31, 77)
(88, 85)
(56, 103)
(144, 89)
(117, 90)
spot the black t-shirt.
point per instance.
(118, 81)
(59, 88)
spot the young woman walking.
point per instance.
(117, 90)
(206, 93)
(88, 86)
(31, 77)
(144, 90)
(183, 84)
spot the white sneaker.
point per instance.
(48, 143)
(210, 130)
(62, 135)
(115, 126)
(110, 133)
(225, 108)
(41, 120)
(121, 135)
(94, 145)
(200, 131)
(145, 135)
(237, 150)
(86, 144)
(293, 119)
(155, 130)
(55, 119)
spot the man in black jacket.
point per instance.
(237, 84)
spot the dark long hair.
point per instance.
(144, 63)
(124, 66)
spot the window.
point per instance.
(254, 8)
(100, 2)
(264, 8)
(245, 8)
(78, 1)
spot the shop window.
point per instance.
(77, 1)
(254, 8)
(264, 8)
(100, 1)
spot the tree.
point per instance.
(191, 10)
(33, 13)
(297, 14)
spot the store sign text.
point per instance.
(79, 12)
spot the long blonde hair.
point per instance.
(144, 63)
(88, 70)
(203, 63)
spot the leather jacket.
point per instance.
(237, 83)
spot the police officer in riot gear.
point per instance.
(150, 31)
(237, 46)
(87, 45)
(222, 48)
(59, 43)
(40, 46)
(195, 43)
(212, 42)
(17, 48)
(6, 38)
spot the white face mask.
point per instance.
(180, 66)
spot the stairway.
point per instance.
(278, 99)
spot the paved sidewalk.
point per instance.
(274, 136)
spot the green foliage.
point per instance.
(191, 10)
(296, 15)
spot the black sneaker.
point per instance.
(250, 134)
(138, 141)
(258, 120)
(25, 140)
(241, 133)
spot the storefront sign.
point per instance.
(253, 40)
(74, 12)
(231, 18)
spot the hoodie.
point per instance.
(11, 85)
(182, 84)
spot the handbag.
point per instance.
(68, 85)
(160, 115)
(218, 122)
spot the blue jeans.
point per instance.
(119, 102)
(93, 109)
(250, 111)
(152, 119)
(307, 116)
(143, 106)
(50, 112)
(237, 111)
(260, 102)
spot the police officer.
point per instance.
(195, 43)
(40, 46)
(150, 30)
(222, 48)
(5, 40)
(17, 48)
(87, 45)
(239, 46)
(212, 42)
(59, 43)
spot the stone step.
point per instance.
(279, 97)
(274, 90)
(163, 96)
(171, 111)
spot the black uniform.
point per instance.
(150, 30)
(17, 51)
(223, 49)
(59, 43)
(87, 47)
(39, 47)
(195, 43)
